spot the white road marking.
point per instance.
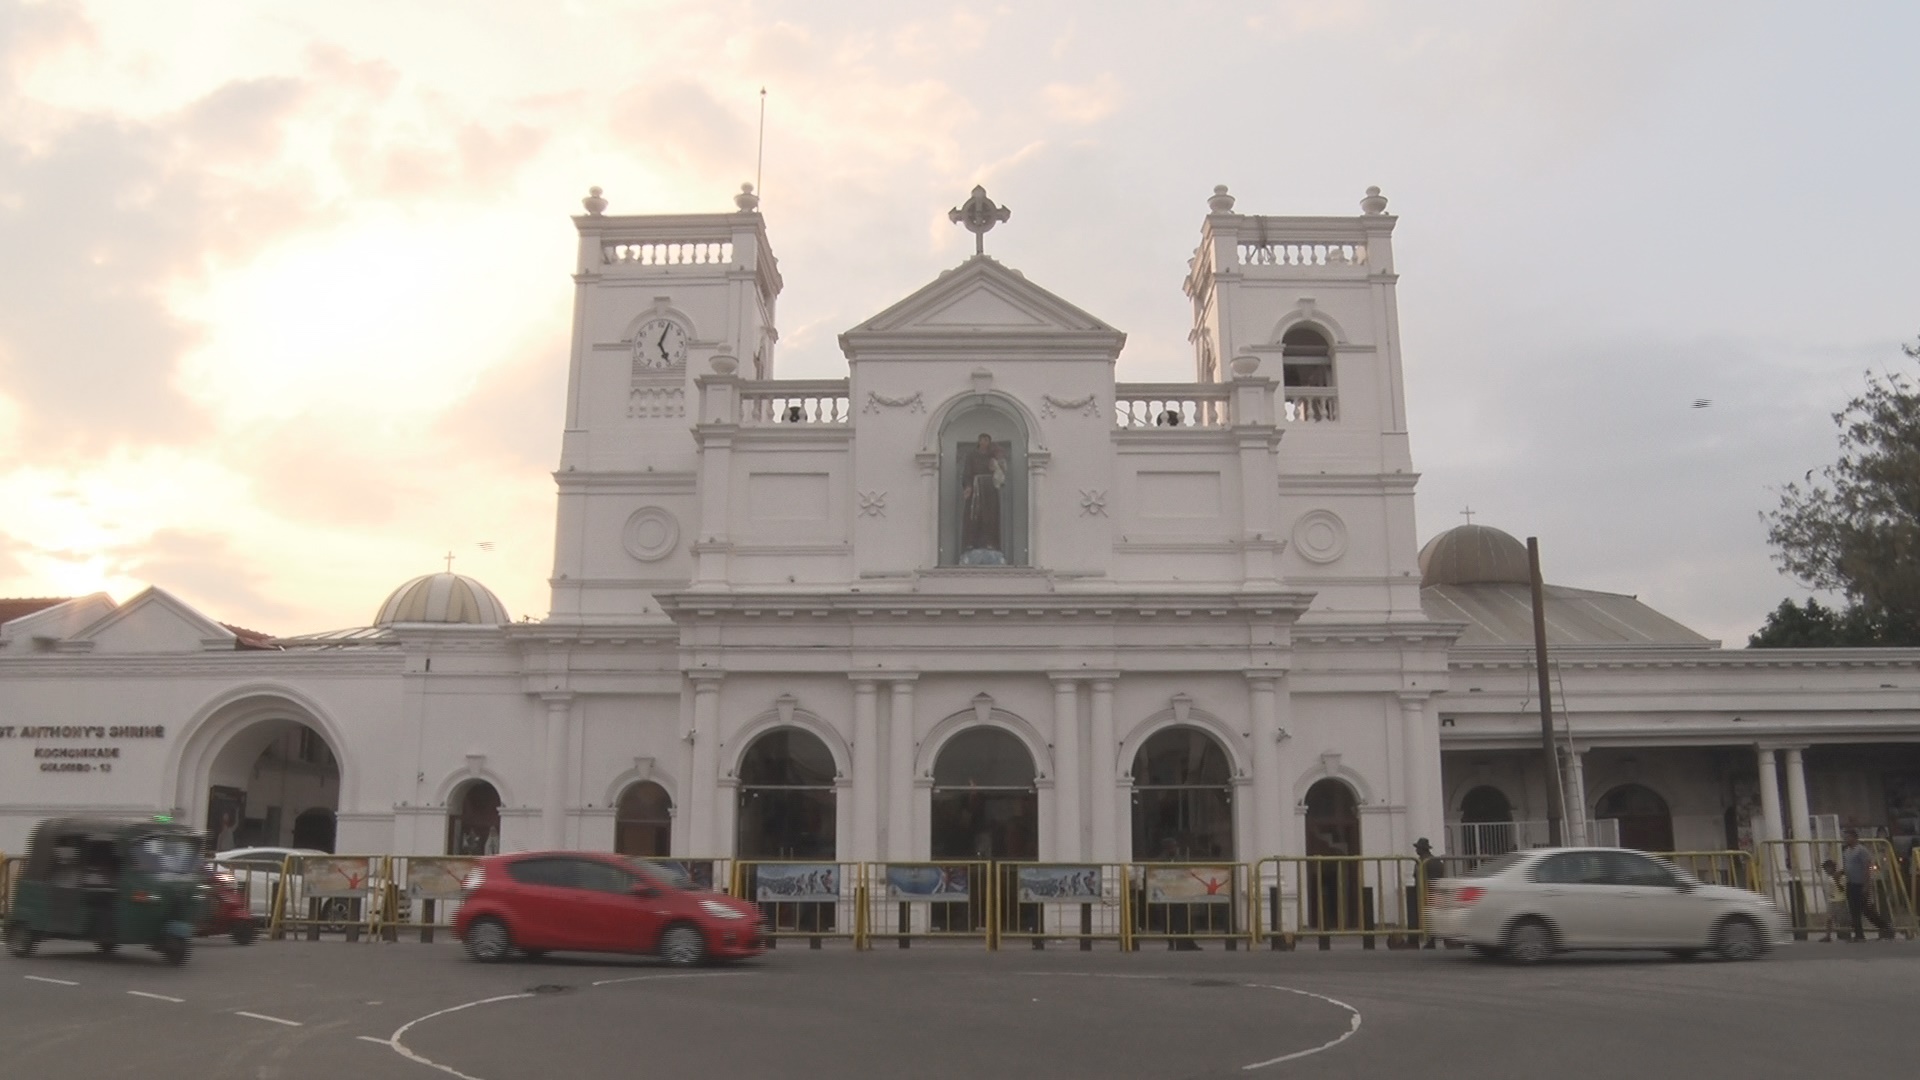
(374, 1039)
(676, 975)
(268, 1019)
(1353, 1023)
(44, 979)
(157, 997)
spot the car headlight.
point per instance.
(721, 911)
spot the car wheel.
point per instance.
(1529, 941)
(487, 941)
(21, 939)
(1738, 939)
(682, 946)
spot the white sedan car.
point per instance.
(1531, 904)
(257, 869)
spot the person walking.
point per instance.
(1432, 869)
(1856, 866)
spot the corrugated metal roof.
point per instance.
(1502, 614)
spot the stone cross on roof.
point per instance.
(1468, 514)
(979, 214)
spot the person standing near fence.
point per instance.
(1856, 865)
(1432, 869)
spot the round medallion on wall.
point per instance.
(1320, 536)
(651, 534)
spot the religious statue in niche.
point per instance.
(983, 482)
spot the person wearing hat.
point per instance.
(1432, 869)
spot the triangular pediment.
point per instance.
(980, 296)
(155, 621)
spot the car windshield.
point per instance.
(667, 873)
(167, 855)
(1495, 867)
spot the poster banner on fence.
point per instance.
(944, 883)
(332, 877)
(699, 872)
(436, 879)
(1051, 884)
(794, 882)
(1189, 885)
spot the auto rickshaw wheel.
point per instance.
(243, 934)
(173, 950)
(21, 939)
(106, 946)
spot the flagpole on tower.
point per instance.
(760, 152)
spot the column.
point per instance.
(1068, 778)
(703, 785)
(1268, 782)
(1103, 775)
(553, 814)
(1799, 819)
(1578, 813)
(866, 772)
(1421, 763)
(900, 730)
(1770, 796)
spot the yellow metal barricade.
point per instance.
(423, 893)
(343, 894)
(1081, 902)
(8, 868)
(810, 899)
(1186, 903)
(1795, 875)
(259, 885)
(939, 899)
(1370, 897)
(1734, 869)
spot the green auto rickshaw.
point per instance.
(109, 882)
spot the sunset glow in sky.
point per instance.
(284, 287)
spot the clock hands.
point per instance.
(664, 358)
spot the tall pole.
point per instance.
(1549, 758)
(760, 149)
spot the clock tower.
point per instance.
(656, 298)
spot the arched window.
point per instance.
(786, 798)
(1182, 798)
(1333, 828)
(1645, 822)
(983, 488)
(473, 828)
(1486, 823)
(1306, 375)
(643, 822)
(985, 805)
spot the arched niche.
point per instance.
(643, 821)
(473, 818)
(984, 503)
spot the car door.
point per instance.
(613, 917)
(541, 904)
(1655, 910)
(1573, 890)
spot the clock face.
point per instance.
(660, 344)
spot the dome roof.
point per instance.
(443, 598)
(1474, 555)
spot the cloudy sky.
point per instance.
(284, 286)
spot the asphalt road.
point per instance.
(292, 1010)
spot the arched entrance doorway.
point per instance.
(985, 804)
(1486, 819)
(786, 798)
(473, 823)
(1645, 822)
(1182, 798)
(1334, 894)
(275, 783)
(643, 822)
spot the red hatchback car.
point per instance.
(584, 901)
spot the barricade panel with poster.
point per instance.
(945, 899)
(1371, 897)
(1185, 903)
(331, 894)
(805, 899)
(425, 893)
(1083, 902)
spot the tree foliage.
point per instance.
(1853, 527)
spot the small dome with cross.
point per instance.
(1474, 555)
(445, 598)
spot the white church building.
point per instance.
(980, 598)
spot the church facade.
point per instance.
(981, 598)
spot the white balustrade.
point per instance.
(700, 252)
(1172, 405)
(1288, 253)
(1311, 404)
(795, 401)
